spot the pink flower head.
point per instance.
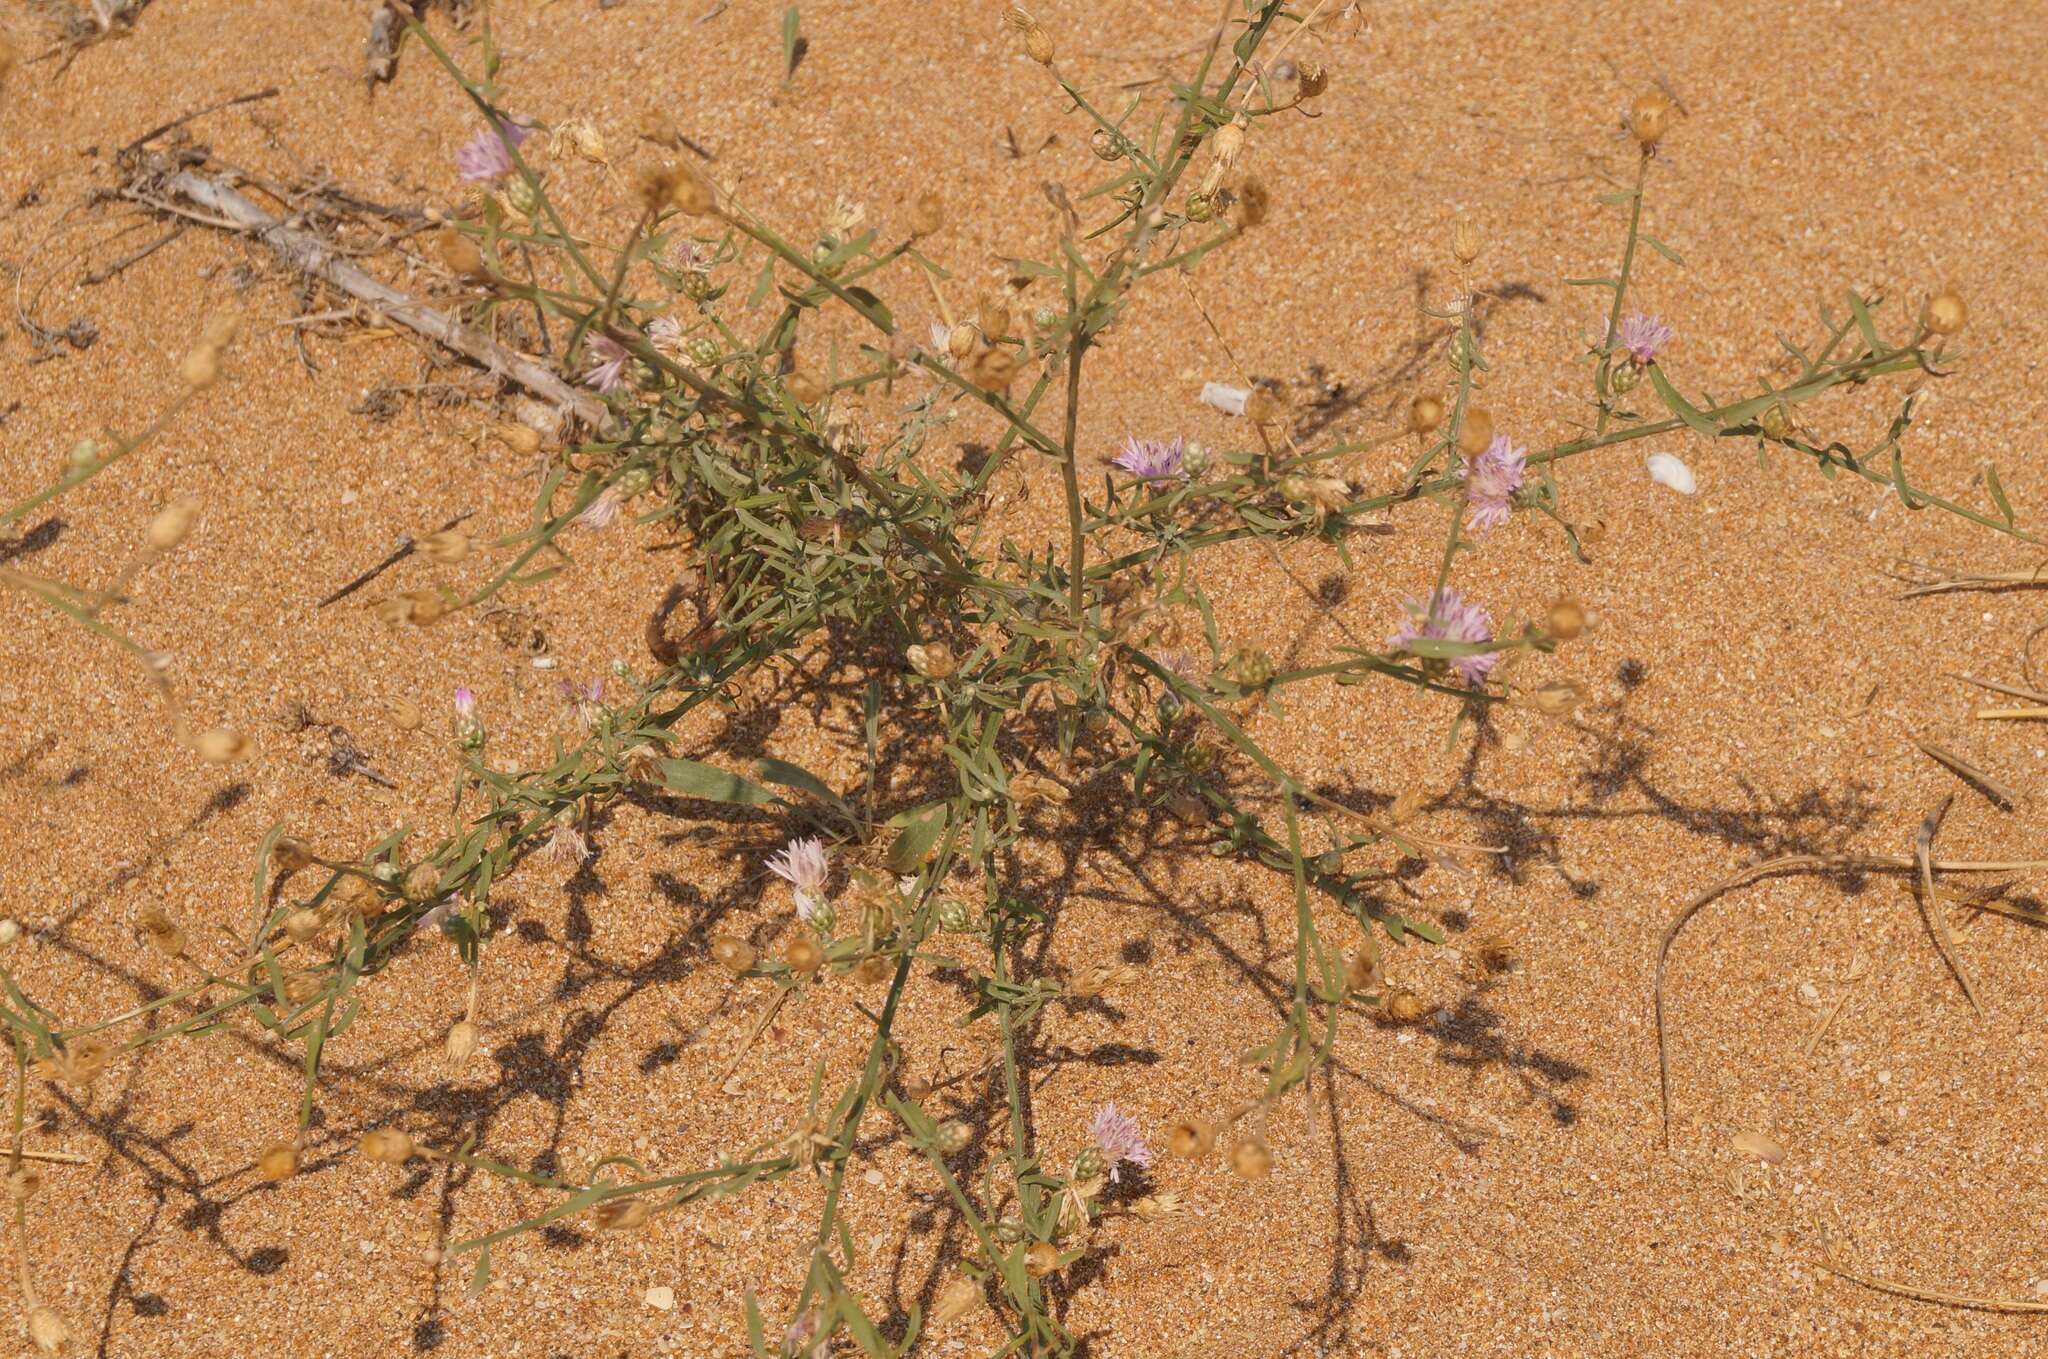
(1118, 1139)
(1455, 619)
(584, 701)
(603, 512)
(1154, 460)
(1642, 336)
(608, 363)
(804, 865)
(485, 156)
(465, 703)
(466, 726)
(1491, 480)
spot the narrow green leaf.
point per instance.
(692, 778)
(1998, 494)
(1666, 251)
(480, 1277)
(920, 829)
(1678, 405)
(803, 780)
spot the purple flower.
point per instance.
(584, 701)
(1118, 1139)
(468, 728)
(1642, 336)
(485, 157)
(1456, 619)
(804, 865)
(1153, 459)
(1491, 480)
(609, 363)
(665, 333)
(465, 703)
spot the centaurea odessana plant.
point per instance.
(798, 521)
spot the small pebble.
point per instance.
(661, 1297)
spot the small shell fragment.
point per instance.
(1667, 469)
(1229, 400)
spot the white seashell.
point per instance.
(1667, 470)
(1229, 400)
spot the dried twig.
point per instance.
(1794, 863)
(406, 547)
(2015, 690)
(1962, 768)
(161, 128)
(317, 257)
(1918, 1294)
(1930, 909)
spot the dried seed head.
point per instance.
(221, 327)
(1407, 806)
(935, 659)
(1228, 143)
(1106, 144)
(1556, 698)
(992, 370)
(955, 1300)
(804, 389)
(447, 547)
(164, 935)
(1041, 1259)
(1946, 313)
(81, 1061)
(1405, 1007)
(1037, 42)
(518, 437)
(219, 745)
(387, 1145)
(1263, 406)
(732, 953)
(960, 341)
(1464, 240)
(25, 1183)
(1094, 980)
(1649, 117)
(277, 1162)
(303, 925)
(927, 214)
(1776, 421)
(874, 969)
(1313, 76)
(1190, 1137)
(10, 930)
(620, 1215)
(1252, 1158)
(1363, 971)
(683, 189)
(461, 1045)
(992, 314)
(1425, 413)
(916, 1089)
(200, 367)
(1493, 953)
(1567, 619)
(952, 1137)
(48, 1329)
(580, 136)
(302, 988)
(802, 954)
(460, 254)
(1476, 433)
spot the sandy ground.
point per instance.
(1490, 1182)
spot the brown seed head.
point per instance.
(48, 1330)
(732, 953)
(517, 437)
(620, 1215)
(1425, 413)
(447, 547)
(1476, 433)
(277, 1162)
(955, 1300)
(1555, 698)
(200, 367)
(1649, 117)
(1464, 240)
(1567, 619)
(219, 745)
(81, 1061)
(1252, 1158)
(24, 1184)
(1041, 1259)
(460, 254)
(802, 954)
(387, 1145)
(221, 327)
(1405, 1007)
(1946, 314)
(874, 969)
(804, 389)
(992, 370)
(927, 214)
(1363, 971)
(461, 1045)
(1313, 76)
(1190, 1137)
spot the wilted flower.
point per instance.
(608, 366)
(602, 512)
(1455, 619)
(665, 333)
(566, 844)
(806, 1337)
(1642, 336)
(804, 865)
(1154, 459)
(485, 157)
(1491, 480)
(584, 701)
(1118, 1139)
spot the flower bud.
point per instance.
(1648, 117)
(1624, 379)
(804, 389)
(387, 1145)
(1089, 1165)
(960, 341)
(1200, 207)
(520, 196)
(1775, 421)
(1106, 144)
(200, 367)
(1946, 314)
(303, 925)
(952, 916)
(84, 455)
(935, 660)
(952, 1137)
(1475, 433)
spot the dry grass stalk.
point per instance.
(1962, 768)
